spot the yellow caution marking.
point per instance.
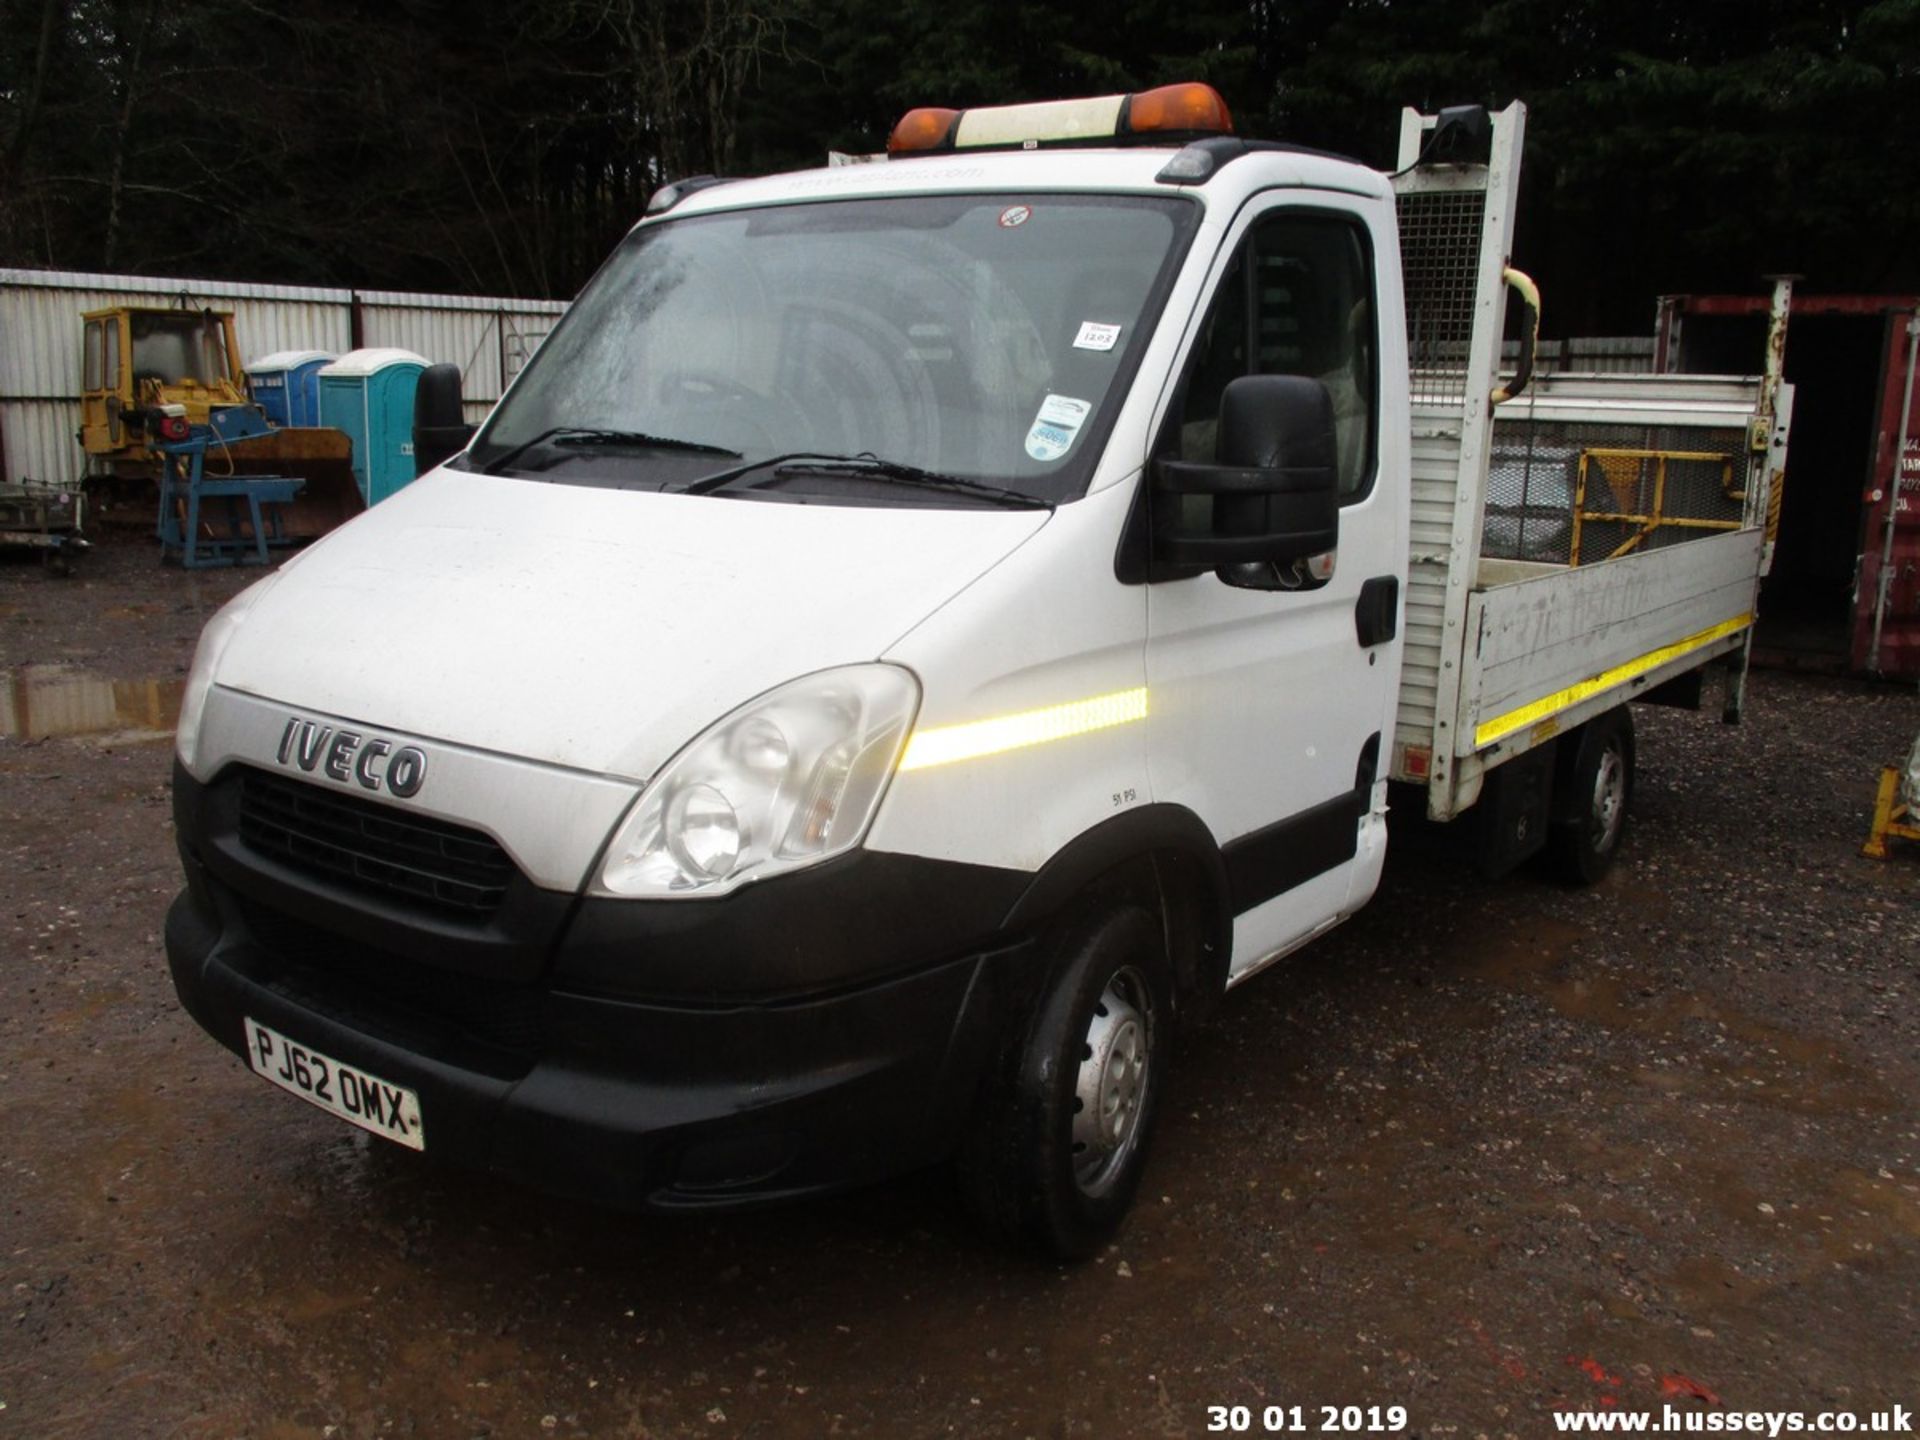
(1502, 726)
(969, 741)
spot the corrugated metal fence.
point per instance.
(489, 339)
(1590, 355)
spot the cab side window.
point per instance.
(1297, 300)
(91, 367)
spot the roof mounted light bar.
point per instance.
(1167, 115)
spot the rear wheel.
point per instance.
(1060, 1141)
(1591, 798)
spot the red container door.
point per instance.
(1892, 608)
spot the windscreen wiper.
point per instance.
(867, 465)
(583, 435)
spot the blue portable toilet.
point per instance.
(286, 385)
(369, 394)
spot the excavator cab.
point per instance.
(136, 359)
(143, 366)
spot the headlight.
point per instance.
(786, 780)
(214, 639)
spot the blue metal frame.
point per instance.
(249, 506)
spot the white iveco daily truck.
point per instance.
(918, 630)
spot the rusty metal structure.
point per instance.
(1895, 488)
(1846, 585)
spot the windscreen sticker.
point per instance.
(1059, 420)
(1015, 215)
(1096, 336)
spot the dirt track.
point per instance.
(1489, 1150)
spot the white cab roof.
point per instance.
(1074, 169)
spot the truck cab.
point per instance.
(914, 635)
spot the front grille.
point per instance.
(496, 1026)
(373, 848)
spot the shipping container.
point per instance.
(1886, 628)
(1844, 592)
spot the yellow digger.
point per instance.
(149, 374)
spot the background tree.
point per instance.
(501, 146)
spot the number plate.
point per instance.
(360, 1099)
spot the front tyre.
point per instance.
(1061, 1142)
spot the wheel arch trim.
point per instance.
(1159, 835)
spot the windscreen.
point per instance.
(178, 348)
(983, 337)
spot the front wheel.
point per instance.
(1060, 1142)
(1591, 798)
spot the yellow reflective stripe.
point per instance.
(1502, 726)
(948, 743)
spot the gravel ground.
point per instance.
(1488, 1151)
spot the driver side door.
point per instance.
(1273, 687)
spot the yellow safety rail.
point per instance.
(1655, 517)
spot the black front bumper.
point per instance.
(617, 1051)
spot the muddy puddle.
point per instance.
(43, 701)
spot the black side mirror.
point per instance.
(440, 429)
(1274, 482)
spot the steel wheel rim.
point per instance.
(1609, 797)
(1112, 1081)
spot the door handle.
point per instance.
(1376, 614)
